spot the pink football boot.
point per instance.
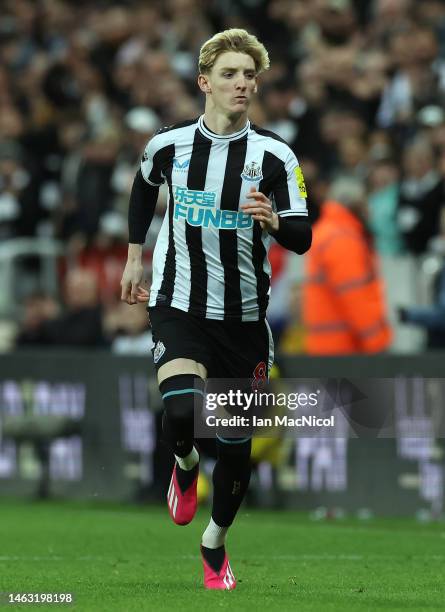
(182, 506)
(224, 580)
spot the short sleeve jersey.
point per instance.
(210, 257)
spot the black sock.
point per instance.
(179, 395)
(214, 557)
(231, 477)
(186, 477)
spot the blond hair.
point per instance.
(237, 40)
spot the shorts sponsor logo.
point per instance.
(158, 351)
(198, 208)
(252, 172)
(300, 181)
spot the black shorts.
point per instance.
(227, 349)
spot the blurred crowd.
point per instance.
(356, 87)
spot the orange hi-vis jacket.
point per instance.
(343, 302)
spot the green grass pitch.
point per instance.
(134, 559)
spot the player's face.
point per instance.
(232, 82)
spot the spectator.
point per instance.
(432, 318)
(92, 185)
(343, 304)
(140, 124)
(383, 200)
(39, 308)
(104, 256)
(79, 324)
(419, 77)
(128, 329)
(19, 208)
(422, 196)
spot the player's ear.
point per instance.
(204, 84)
(255, 89)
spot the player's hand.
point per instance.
(142, 295)
(261, 210)
(131, 283)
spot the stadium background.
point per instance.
(356, 88)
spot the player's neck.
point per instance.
(222, 124)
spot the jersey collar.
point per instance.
(221, 137)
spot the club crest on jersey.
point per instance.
(158, 351)
(252, 172)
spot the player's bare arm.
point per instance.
(131, 283)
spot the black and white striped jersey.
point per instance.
(210, 258)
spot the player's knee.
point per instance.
(179, 394)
